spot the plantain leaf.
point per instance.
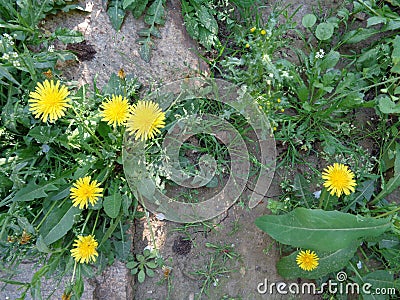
(320, 230)
(328, 262)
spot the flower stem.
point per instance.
(73, 273)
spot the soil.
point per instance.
(189, 251)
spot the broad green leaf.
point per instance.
(396, 55)
(58, 223)
(68, 36)
(145, 51)
(140, 7)
(33, 191)
(112, 204)
(130, 3)
(328, 262)
(320, 230)
(387, 106)
(116, 14)
(207, 20)
(359, 35)
(376, 20)
(330, 60)
(141, 276)
(309, 20)
(155, 13)
(41, 245)
(380, 279)
(324, 31)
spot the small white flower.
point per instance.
(14, 54)
(317, 194)
(16, 63)
(271, 75)
(359, 264)
(51, 48)
(6, 56)
(285, 74)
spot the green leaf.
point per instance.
(376, 20)
(58, 223)
(112, 204)
(330, 60)
(207, 20)
(387, 106)
(155, 13)
(320, 230)
(389, 187)
(141, 276)
(359, 35)
(4, 73)
(309, 20)
(396, 52)
(139, 9)
(328, 262)
(41, 245)
(380, 279)
(116, 14)
(131, 3)
(149, 272)
(324, 31)
(68, 36)
(33, 191)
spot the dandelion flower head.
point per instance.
(85, 249)
(146, 120)
(307, 260)
(339, 179)
(85, 191)
(49, 101)
(115, 111)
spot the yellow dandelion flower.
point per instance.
(247, 45)
(146, 120)
(263, 32)
(307, 260)
(115, 111)
(339, 179)
(85, 249)
(121, 73)
(49, 101)
(84, 191)
(252, 29)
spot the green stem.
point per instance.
(388, 213)
(95, 222)
(73, 273)
(87, 219)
